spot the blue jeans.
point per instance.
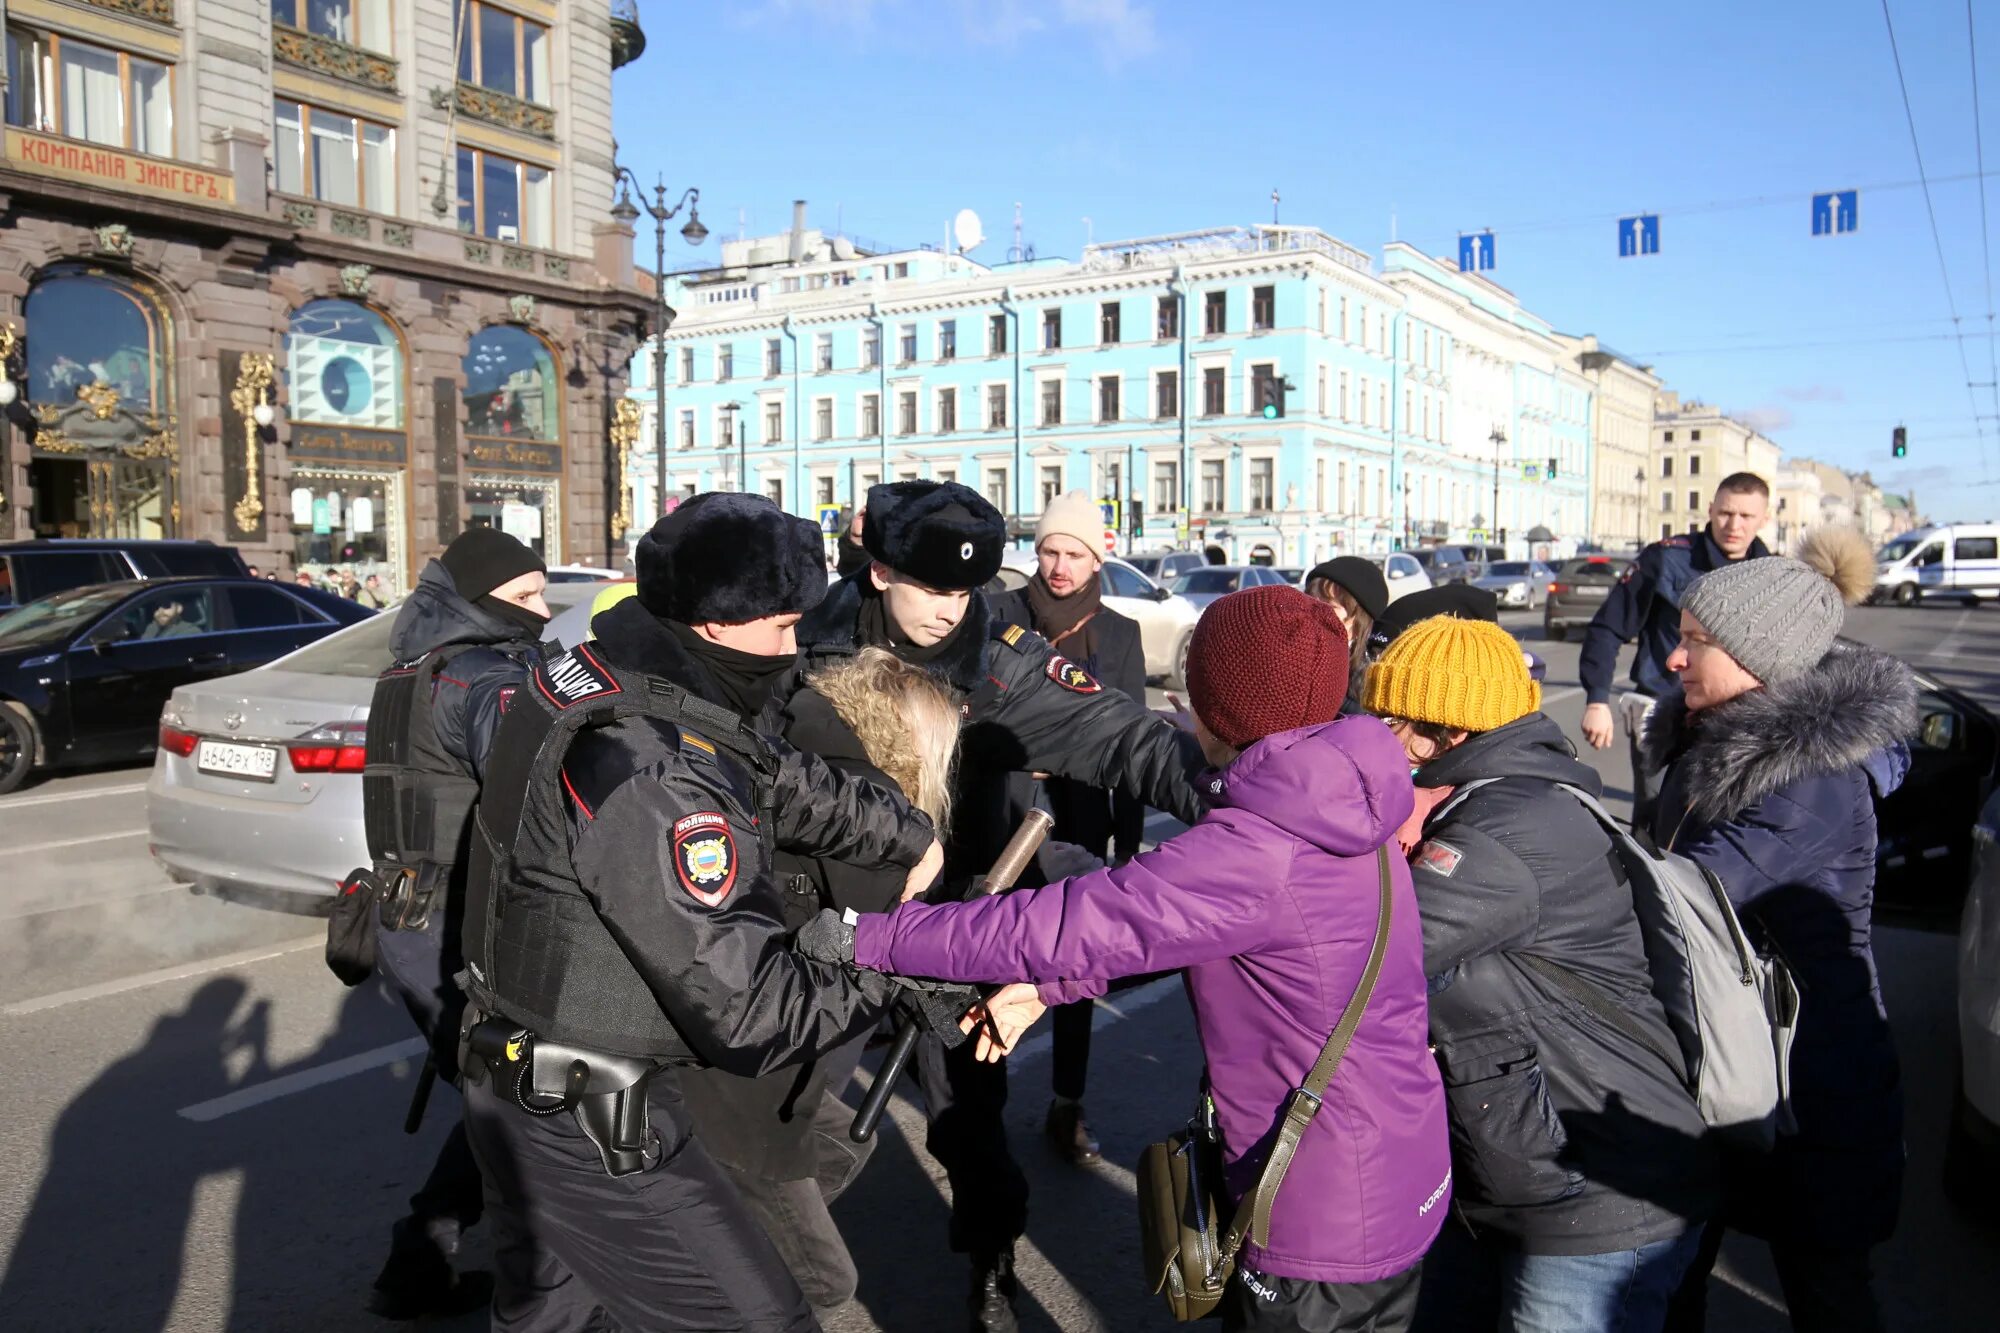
(1469, 1286)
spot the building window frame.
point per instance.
(352, 31)
(1110, 398)
(947, 340)
(1263, 308)
(870, 416)
(823, 424)
(1214, 313)
(997, 397)
(907, 419)
(469, 18)
(45, 111)
(1166, 395)
(306, 169)
(996, 335)
(1049, 397)
(1167, 318)
(1052, 328)
(1110, 323)
(1214, 390)
(945, 409)
(472, 210)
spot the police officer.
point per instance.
(1646, 605)
(622, 920)
(463, 641)
(1026, 709)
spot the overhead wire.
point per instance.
(1985, 244)
(1951, 302)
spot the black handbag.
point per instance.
(1188, 1253)
(350, 928)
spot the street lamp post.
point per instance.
(1499, 437)
(1639, 506)
(694, 233)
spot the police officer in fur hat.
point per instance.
(1026, 709)
(622, 921)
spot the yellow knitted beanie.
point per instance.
(1467, 674)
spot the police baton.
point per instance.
(1027, 840)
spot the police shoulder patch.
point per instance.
(705, 857)
(1071, 676)
(574, 677)
(1009, 634)
(1439, 858)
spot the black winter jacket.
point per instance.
(1774, 792)
(471, 695)
(1568, 1136)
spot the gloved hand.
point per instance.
(827, 938)
(937, 1007)
(1065, 860)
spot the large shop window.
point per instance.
(58, 85)
(363, 23)
(510, 385)
(524, 508)
(503, 51)
(512, 410)
(87, 327)
(505, 199)
(334, 157)
(346, 518)
(345, 366)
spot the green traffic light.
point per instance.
(1270, 411)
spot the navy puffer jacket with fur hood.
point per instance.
(1774, 792)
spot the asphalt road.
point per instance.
(203, 1128)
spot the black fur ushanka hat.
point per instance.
(724, 557)
(939, 533)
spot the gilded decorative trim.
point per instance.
(101, 399)
(115, 238)
(253, 385)
(337, 60)
(502, 109)
(160, 11)
(624, 434)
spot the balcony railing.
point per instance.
(338, 60)
(159, 11)
(498, 108)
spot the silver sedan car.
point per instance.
(267, 797)
(1517, 584)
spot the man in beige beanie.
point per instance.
(1063, 603)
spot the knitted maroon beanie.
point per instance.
(1266, 660)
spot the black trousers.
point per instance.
(1826, 1291)
(1645, 785)
(453, 1192)
(795, 1215)
(966, 1100)
(671, 1248)
(1070, 1040)
(1257, 1303)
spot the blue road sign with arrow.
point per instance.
(1475, 252)
(1836, 212)
(1639, 235)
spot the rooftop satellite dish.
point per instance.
(965, 230)
(843, 248)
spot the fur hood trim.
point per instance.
(1854, 704)
(832, 629)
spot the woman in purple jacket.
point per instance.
(1269, 906)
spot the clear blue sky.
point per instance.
(1543, 122)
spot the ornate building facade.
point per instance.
(326, 282)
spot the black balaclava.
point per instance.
(745, 680)
(512, 613)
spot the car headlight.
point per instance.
(1517, 590)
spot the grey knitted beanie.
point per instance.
(1775, 616)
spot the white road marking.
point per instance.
(306, 1079)
(58, 797)
(58, 999)
(76, 842)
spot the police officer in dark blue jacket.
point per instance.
(1646, 605)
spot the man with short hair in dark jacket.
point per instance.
(1582, 1173)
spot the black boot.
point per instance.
(419, 1281)
(1069, 1134)
(994, 1290)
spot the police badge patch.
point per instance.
(1439, 858)
(1071, 676)
(705, 857)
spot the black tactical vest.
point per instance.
(536, 951)
(416, 796)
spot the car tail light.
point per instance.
(175, 741)
(337, 747)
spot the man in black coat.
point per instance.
(472, 632)
(1064, 604)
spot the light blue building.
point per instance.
(808, 370)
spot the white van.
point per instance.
(1957, 560)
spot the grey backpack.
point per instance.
(1733, 1013)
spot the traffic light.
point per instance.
(1137, 511)
(1899, 443)
(1270, 397)
(1552, 469)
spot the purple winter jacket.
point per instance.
(1269, 904)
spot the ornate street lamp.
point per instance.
(694, 233)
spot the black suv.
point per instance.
(33, 569)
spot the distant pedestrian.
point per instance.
(254, 572)
(369, 593)
(1645, 605)
(849, 553)
(1776, 743)
(304, 578)
(1581, 1169)
(1357, 592)
(1064, 603)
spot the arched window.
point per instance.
(88, 327)
(345, 366)
(511, 389)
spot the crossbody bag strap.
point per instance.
(1253, 1215)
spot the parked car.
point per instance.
(1403, 573)
(1578, 589)
(1295, 577)
(1204, 585)
(582, 574)
(257, 782)
(1166, 622)
(1956, 560)
(1163, 567)
(1444, 564)
(31, 569)
(1516, 584)
(83, 673)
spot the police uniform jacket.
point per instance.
(667, 839)
(1646, 605)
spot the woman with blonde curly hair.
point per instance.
(783, 1137)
